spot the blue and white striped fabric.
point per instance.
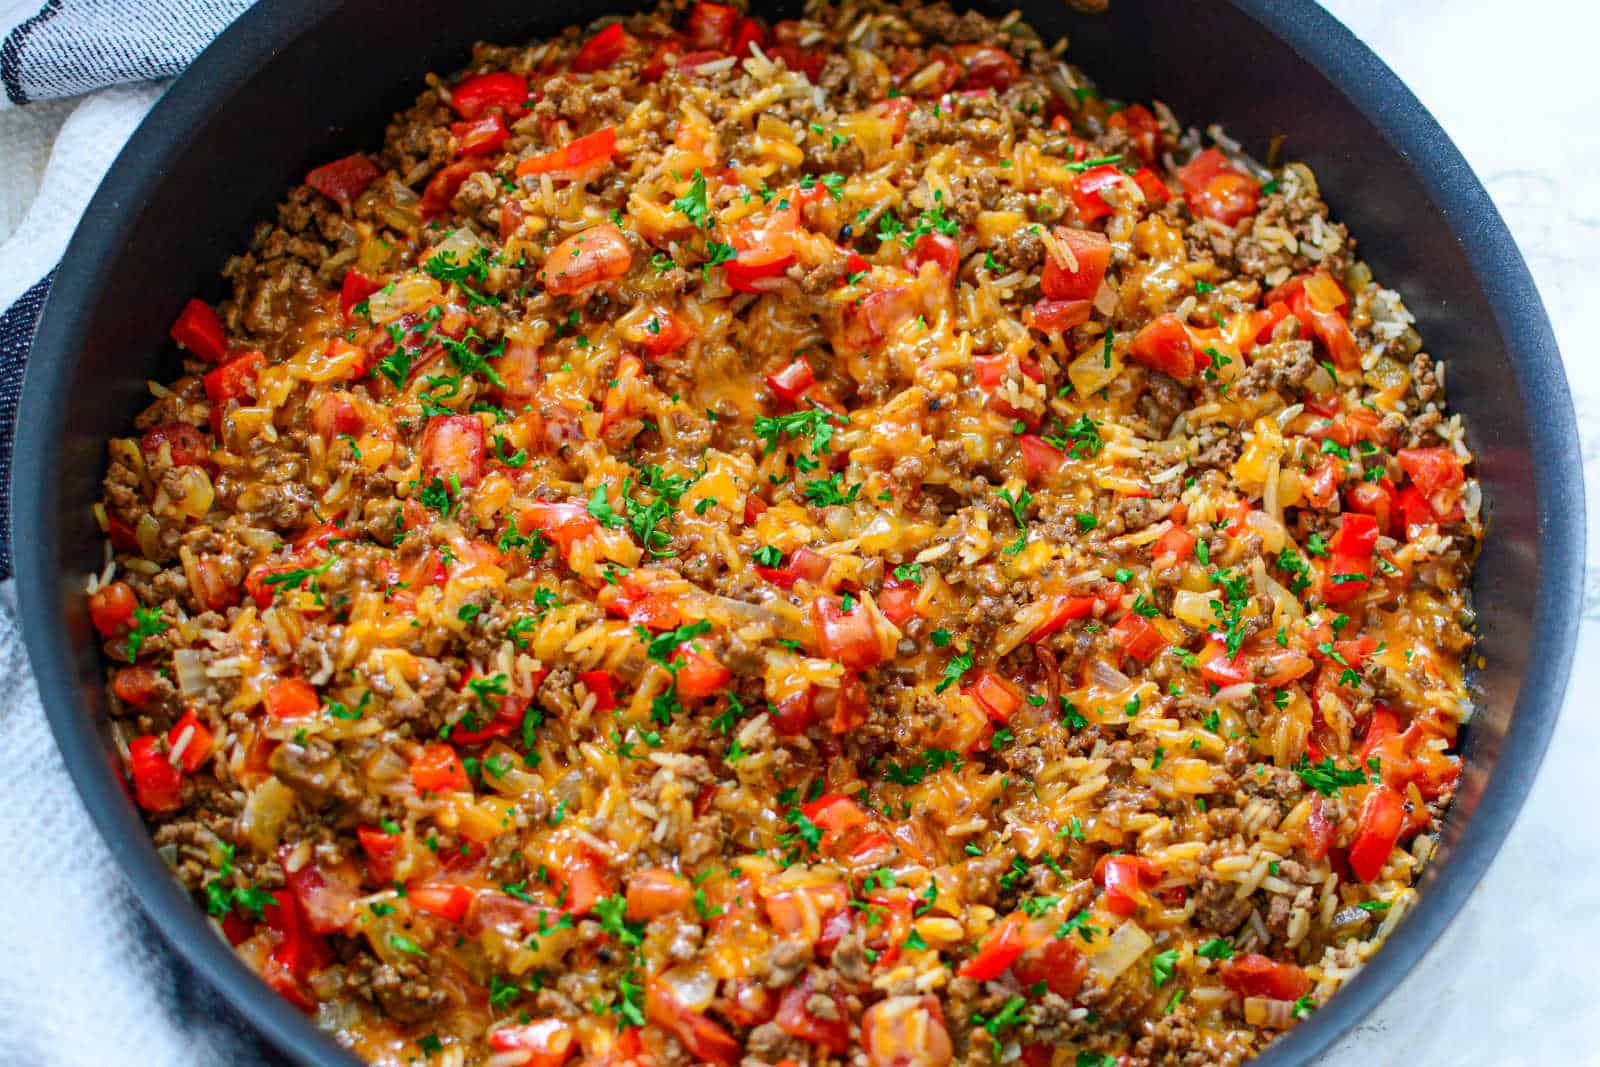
(87, 981)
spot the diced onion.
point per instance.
(190, 665)
(265, 812)
(1194, 609)
(692, 987)
(1121, 951)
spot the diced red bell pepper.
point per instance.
(700, 674)
(711, 25)
(1091, 253)
(444, 899)
(344, 179)
(1087, 190)
(750, 32)
(1348, 571)
(1064, 610)
(1377, 499)
(790, 383)
(665, 333)
(805, 563)
(1058, 316)
(186, 446)
(598, 254)
(157, 785)
(603, 50)
(1437, 473)
(602, 686)
(1040, 458)
(1164, 344)
(1000, 948)
(453, 450)
(849, 637)
(1328, 327)
(563, 523)
(1217, 189)
(198, 745)
(291, 698)
(382, 851)
(438, 769)
(1320, 831)
(1137, 637)
(898, 601)
(355, 288)
(996, 696)
(476, 96)
(705, 1039)
(233, 379)
(1255, 975)
(577, 158)
(1150, 184)
(1125, 878)
(136, 686)
(836, 815)
(1176, 542)
(200, 331)
(937, 249)
(1382, 818)
(480, 137)
(795, 1019)
(583, 880)
(805, 61)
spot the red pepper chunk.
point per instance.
(563, 523)
(1088, 189)
(1137, 637)
(577, 158)
(1058, 316)
(1348, 571)
(665, 333)
(1382, 818)
(604, 689)
(453, 450)
(700, 674)
(707, 1040)
(291, 698)
(200, 331)
(835, 815)
(1000, 948)
(795, 1019)
(355, 288)
(898, 601)
(195, 738)
(136, 686)
(541, 1043)
(478, 95)
(849, 637)
(1064, 610)
(446, 183)
(603, 49)
(790, 383)
(438, 769)
(344, 179)
(480, 137)
(1125, 879)
(382, 851)
(1081, 279)
(711, 26)
(1164, 344)
(1141, 127)
(1176, 542)
(1040, 458)
(1217, 189)
(1437, 474)
(230, 381)
(937, 249)
(1256, 975)
(997, 697)
(157, 785)
(445, 900)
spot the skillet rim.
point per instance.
(1313, 34)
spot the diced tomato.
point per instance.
(750, 32)
(1125, 878)
(326, 897)
(157, 785)
(692, 60)
(438, 769)
(1164, 344)
(872, 318)
(798, 1021)
(849, 637)
(764, 250)
(706, 1040)
(1055, 961)
(231, 380)
(937, 249)
(808, 913)
(997, 696)
(476, 96)
(444, 899)
(799, 59)
(1064, 609)
(1377, 832)
(291, 698)
(898, 601)
(1137, 637)
(1222, 671)
(200, 331)
(655, 892)
(1328, 327)
(1436, 473)
(198, 745)
(480, 137)
(1256, 975)
(598, 254)
(790, 383)
(563, 523)
(1414, 509)
(700, 674)
(344, 179)
(334, 416)
(601, 685)
(1377, 499)
(1348, 571)
(1150, 184)
(603, 49)
(186, 446)
(1176, 542)
(665, 333)
(999, 949)
(1081, 280)
(794, 714)
(1320, 831)
(300, 950)
(541, 1043)
(110, 608)
(446, 183)
(382, 851)
(577, 158)
(1141, 127)
(355, 288)
(136, 686)
(1040, 458)
(453, 450)
(836, 815)
(1322, 487)
(1088, 188)
(711, 25)
(583, 881)
(1058, 316)
(1217, 189)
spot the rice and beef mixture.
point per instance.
(824, 542)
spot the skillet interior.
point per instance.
(284, 89)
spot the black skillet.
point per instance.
(297, 82)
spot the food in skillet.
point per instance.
(793, 544)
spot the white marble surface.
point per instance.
(1514, 980)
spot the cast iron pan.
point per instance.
(297, 82)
